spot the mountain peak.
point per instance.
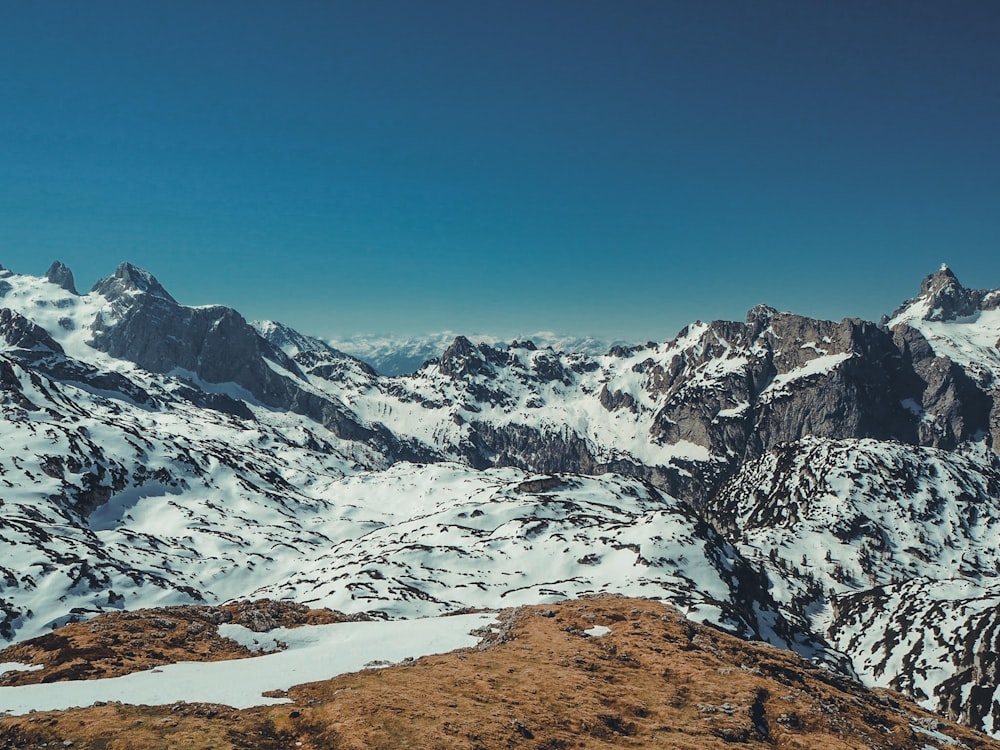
(942, 297)
(946, 298)
(130, 278)
(462, 359)
(759, 318)
(760, 312)
(290, 341)
(61, 275)
(941, 280)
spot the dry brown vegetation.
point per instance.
(122, 642)
(656, 680)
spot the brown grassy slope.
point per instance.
(656, 680)
(122, 642)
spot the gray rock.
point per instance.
(215, 344)
(947, 298)
(128, 278)
(954, 408)
(60, 275)
(20, 333)
(463, 360)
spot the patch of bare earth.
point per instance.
(655, 680)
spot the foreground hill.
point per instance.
(592, 673)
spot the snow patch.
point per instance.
(818, 366)
(317, 652)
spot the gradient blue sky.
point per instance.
(609, 168)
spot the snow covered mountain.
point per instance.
(395, 355)
(892, 551)
(829, 487)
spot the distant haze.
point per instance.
(399, 355)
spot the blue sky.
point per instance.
(608, 168)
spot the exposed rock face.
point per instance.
(128, 278)
(946, 298)
(311, 353)
(995, 419)
(214, 343)
(953, 407)
(946, 336)
(782, 377)
(462, 359)
(526, 447)
(18, 332)
(736, 389)
(60, 275)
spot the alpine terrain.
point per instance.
(829, 488)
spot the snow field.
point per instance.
(311, 653)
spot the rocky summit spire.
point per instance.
(941, 279)
(759, 317)
(946, 298)
(942, 297)
(60, 275)
(129, 278)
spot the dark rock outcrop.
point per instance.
(216, 345)
(952, 407)
(463, 360)
(60, 275)
(128, 278)
(947, 299)
(745, 387)
(736, 389)
(18, 332)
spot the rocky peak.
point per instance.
(60, 275)
(317, 356)
(942, 278)
(948, 296)
(527, 344)
(758, 318)
(942, 297)
(290, 341)
(463, 359)
(128, 278)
